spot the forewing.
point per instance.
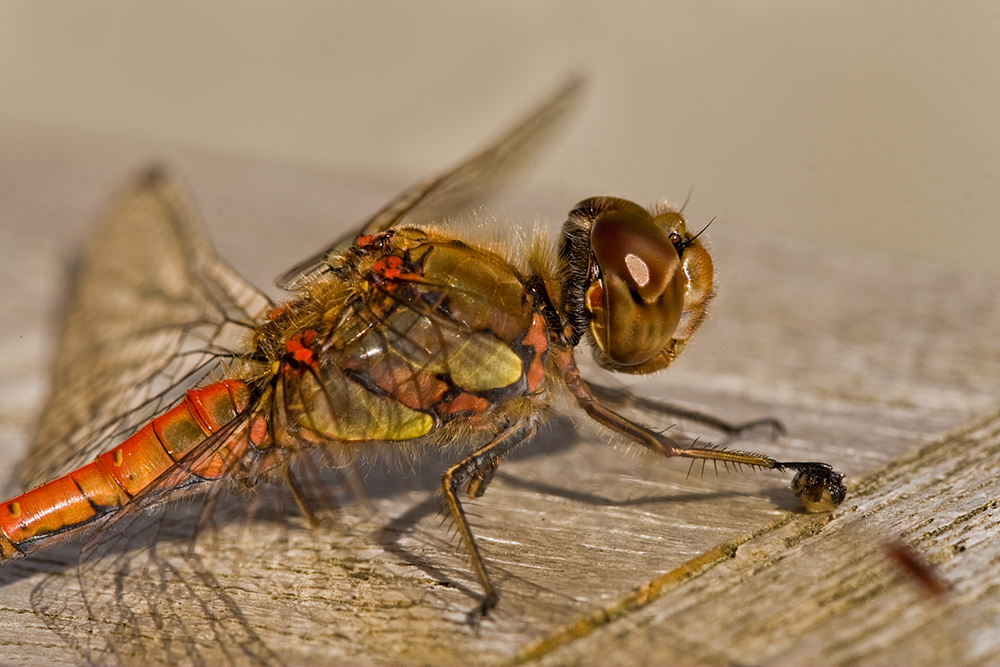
(152, 311)
(467, 184)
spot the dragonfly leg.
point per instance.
(621, 398)
(302, 499)
(472, 474)
(817, 485)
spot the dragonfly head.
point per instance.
(635, 279)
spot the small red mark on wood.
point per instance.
(924, 575)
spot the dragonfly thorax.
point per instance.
(423, 333)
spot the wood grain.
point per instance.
(886, 368)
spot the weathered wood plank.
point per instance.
(866, 358)
(807, 591)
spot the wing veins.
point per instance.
(473, 180)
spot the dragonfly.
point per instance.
(175, 377)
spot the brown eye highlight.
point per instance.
(637, 304)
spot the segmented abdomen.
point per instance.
(74, 501)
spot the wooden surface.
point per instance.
(885, 368)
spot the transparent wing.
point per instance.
(153, 310)
(469, 183)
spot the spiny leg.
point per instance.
(817, 485)
(621, 398)
(473, 474)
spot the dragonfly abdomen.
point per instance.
(78, 499)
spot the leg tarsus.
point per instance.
(776, 428)
(489, 602)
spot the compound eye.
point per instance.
(637, 298)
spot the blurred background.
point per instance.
(856, 123)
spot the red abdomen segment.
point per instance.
(73, 501)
